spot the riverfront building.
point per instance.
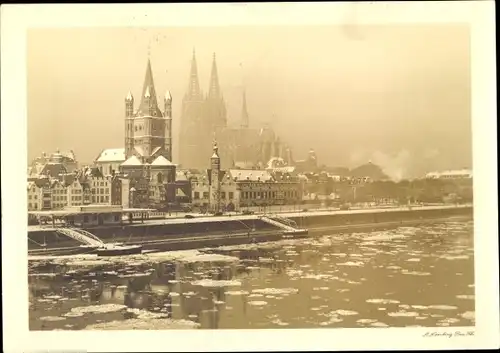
(233, 189)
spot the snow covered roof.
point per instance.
(180, 193)
(155, 150)
(112, 155)
(132, 161)
(161, 161)
(139, 150)
(250, 175)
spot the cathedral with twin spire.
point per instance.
(204, 117)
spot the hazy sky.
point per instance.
(396, 95)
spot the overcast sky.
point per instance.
(396, 95)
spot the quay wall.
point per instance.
(176, 232)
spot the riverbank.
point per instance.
(182, 234)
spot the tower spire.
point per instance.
(244, 111)
(194, 83)
(214, 90)
(149, 103)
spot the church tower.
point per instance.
(216, 107)
(129, 124)
(245, 121)
(215, 179)
(167, 113)
(193, 134)
(148, 131)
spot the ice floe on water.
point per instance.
(414, 259)
(469, 315)
(419, 307)
(275, 291)
(216, 283)
(141, 324)
(351, 263)
(448, 321)
(443, 307)
(257, 303)
(279, 322)
(209, 258)
(403, 314)
(342, 312)
(366, 321)
(99, 309)
(415, 273)
(459, 257)
(51, 318)
(236, 292)
(466, 296)
(382, 301)
(383, 236)
(145, 314)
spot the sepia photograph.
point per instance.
(252, 177)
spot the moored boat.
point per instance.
(119, 250)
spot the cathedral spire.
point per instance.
(194, 84)
(244, 112)
(214, 90)
(149, 104)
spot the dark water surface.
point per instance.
(394, 278)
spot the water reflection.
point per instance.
(401, 277)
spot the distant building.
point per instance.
(53, 165)
(204, 117)
(450, 174)
(232, 189)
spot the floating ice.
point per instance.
(460, 257)
(419, 307)
(443, 307)
(415, 273)
(51, 318)
(145, 314)
(466, 296)
(104, 308)
(379, 324)
(343, 312)
(403, 314)
(209, 258)
(216, 283)
(469, 315)
(351, 263)
(236, 292)
(52, 297)
(413, 260)
(73, 314)
(383, 301)
(276, 291)
(257, 302)
(366, 321)
(139, 324)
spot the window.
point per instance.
(35, 206)
(223, 195)
(102, 198)
(107, 198)
(231, 195)
(196, 195)
(93, 198)
(107, 190)
(36, 197)
(205, 195)
(29, 197)
(102, 191)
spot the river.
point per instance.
(402, 277)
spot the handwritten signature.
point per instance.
(468, 333)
